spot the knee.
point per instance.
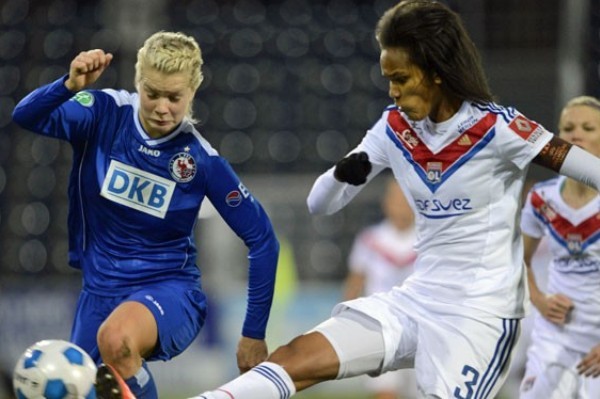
(115, 345)
(286, 354)
(308, 359)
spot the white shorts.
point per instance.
(551, 372)
(456, 352)
(402, 381)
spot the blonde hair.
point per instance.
(584, 100)
(171, 52)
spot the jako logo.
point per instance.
(145, 150)
(137, 189)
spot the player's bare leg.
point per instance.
(307, 360)
(125, 336)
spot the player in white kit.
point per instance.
(381, 257)
(564, 356)
(462, 160)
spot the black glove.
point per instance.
(353, 169)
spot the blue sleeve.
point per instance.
(48, 111)
(246, 217)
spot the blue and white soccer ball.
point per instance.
(54, 369)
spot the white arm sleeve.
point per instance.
(329, 195)
(583, 166)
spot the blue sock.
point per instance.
(142, 384)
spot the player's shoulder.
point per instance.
(105, 99)
(545, 184)
(507, 115)
(118, 97)
(190, 142)
(504, 113)
(197, 139)
(384, 118)
(544, 188)
(389, 108)
(513, 124)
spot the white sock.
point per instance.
(265, 381)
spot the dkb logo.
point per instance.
(138, 189)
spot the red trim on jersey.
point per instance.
(562, 226)
(226, 393)
(422, 155)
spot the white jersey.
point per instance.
(384, 254)
(574, 239)
(463, 178)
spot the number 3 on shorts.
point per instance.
(467, 371)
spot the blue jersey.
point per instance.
(134, 200)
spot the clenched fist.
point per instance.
(86, 68)
(353, 169)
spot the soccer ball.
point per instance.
(54, 369)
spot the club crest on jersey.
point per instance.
(574, 243)
(182, 167)
(434, 171)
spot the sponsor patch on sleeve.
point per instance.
(84, 98)
(233, 199)
(528, 130)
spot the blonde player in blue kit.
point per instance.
(563, 360)
(462, 161)
(140, 173)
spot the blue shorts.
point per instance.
(178, 308)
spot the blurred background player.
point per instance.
(140, 173)
(381, 257)
(563, 360)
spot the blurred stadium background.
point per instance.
(290, 86)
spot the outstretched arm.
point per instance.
(246, 217)
(336, 187)
(47, 110)
(571, 161)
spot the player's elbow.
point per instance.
(314, 207)
(20, 116)
(319, 207)
(267, 241)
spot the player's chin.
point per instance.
(162, 128)
(414, 116)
